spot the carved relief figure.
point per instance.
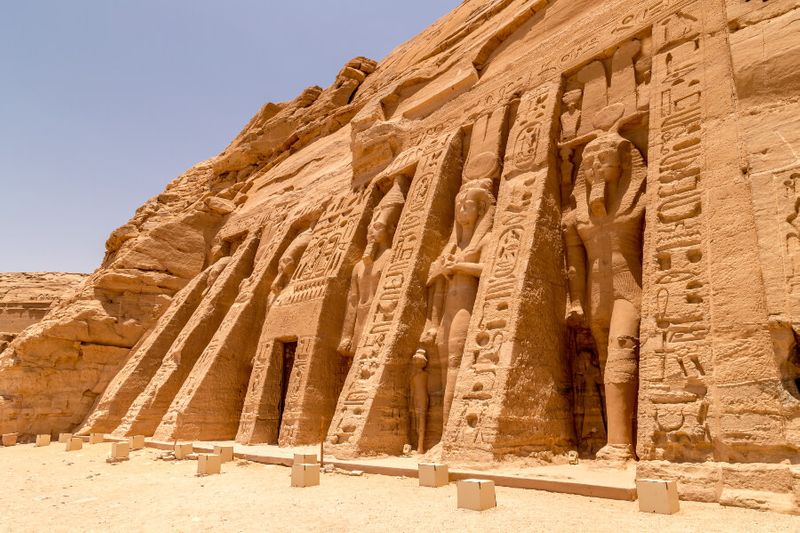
(643, 68)
(419, 396)
(572, 115)
(604, 257)
(588, 400)
(288, 264)
(453, 280)
(214, 272)
(791, 230)
(367, 272)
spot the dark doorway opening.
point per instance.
(287, 360)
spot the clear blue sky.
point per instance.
(103, 102)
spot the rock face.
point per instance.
(26, 297)
(540, 226)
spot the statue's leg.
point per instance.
(600, 333)
(421, 431)
(455, 349)
(620, 378)
(442, 337)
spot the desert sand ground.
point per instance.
(48, 489)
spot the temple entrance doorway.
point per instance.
(287, 364)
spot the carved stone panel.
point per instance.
(372, 411)
(508, 400)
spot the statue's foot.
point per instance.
(616, 453)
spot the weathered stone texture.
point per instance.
(26, 297)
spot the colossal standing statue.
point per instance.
(453, 281)
(367, 272)
(604, 256)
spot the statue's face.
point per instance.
(378, 231)
(287, 265)
(467, 208)
(643, 68)
(606, 169)
(571, 99)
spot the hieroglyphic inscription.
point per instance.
(375, 345)
(634, 20)
(632, 17)
(257, 399)
(776, 198)
(327, 249)
(679, 287)
(491, 333)
(240, 223)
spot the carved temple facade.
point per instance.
(541, 226)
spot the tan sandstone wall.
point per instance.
(26, 297)
(539, 227)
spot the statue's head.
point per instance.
(473, 202)
(381, 229)
(603, 161)
(643, 66)
(643, 69)
(386, 216)
(572, 99)
(420, 359)
(287, 265)
(291, 257)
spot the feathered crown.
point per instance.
(394, 197)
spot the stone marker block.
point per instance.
(183, 450)
(209, 463)
(476, 494)
(433, 475)
(42, 440)
(658, 496)
(74, 444)
(120, 450)
(137, 442)
(305, 459)
(9, 439)
(63, 438)
(96, 438)
(226, 452)
(305, 475)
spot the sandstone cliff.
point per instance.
(26, 297)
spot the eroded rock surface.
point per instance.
(26, 297)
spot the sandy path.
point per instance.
(50, 489)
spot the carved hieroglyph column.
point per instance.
(510, 396)
(152, 403)
(372, 412)
(708, 383)
(209, 403)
